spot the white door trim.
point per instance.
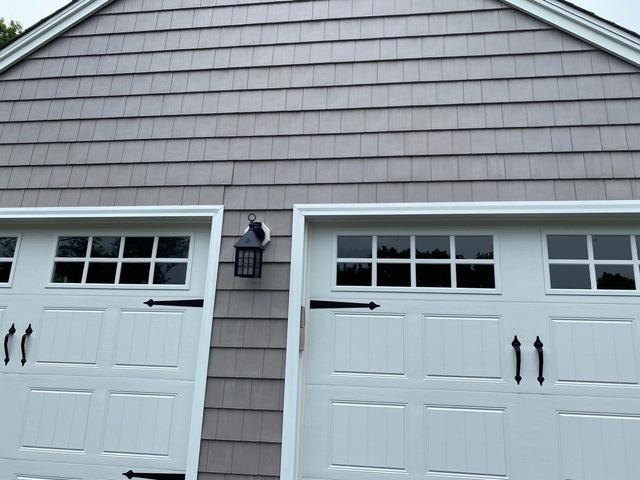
(303, 215)
(211, 213)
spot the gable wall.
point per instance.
(260, 105)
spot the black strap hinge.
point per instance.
(175, 303)
(325, 305)
(155, 476)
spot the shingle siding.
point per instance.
(259, 105)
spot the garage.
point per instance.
(467, 342)
(103, 314)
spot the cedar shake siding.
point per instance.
(259, 105)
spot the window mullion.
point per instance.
(592, 266)
(452, 260)
(374, 261)
(634, 257)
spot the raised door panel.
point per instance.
(598, 446)
(466, 441)
(107, 336)
(100, 421)
(355, 433)
(463, 347)
(27, 470)
(591, 350)
(68, 337)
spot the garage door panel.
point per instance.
(466, 441)
(34, 470)
(149, 339)
(368, 344)
(595, 350)
(463, 347)
(599, 446)
(377, 433)
(109, 423)
(591, 350)
(69, 337)
(451, 405)
(86, 335)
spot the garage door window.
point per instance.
(112, 260)
(8, 252)
(415, 261)
(593, 262)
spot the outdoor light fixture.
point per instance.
(249, 249)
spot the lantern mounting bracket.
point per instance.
(262, 230)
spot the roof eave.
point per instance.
(575, 21)
(584, 25)
(48, 29)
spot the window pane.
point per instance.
(474, 247)
(68, 272)
(72, 246)
(354, 274)
(5, 271)
(394, 247)
(572, 277)
(394, 275)
(101, 273)
(105, 247)
(615, 277)
(611, 247)
(7, 247)
(173, 247)
(432, 247)
(170, 274)
(138, 247)
(354, 247)
(135, 273)
(433, 276)
(475, 276)
(567, 247)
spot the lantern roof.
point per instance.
(249, 240)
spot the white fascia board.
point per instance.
(53, 213)
(53, 27)
(457, 209)
(584, 26)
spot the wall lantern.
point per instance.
(249, 249)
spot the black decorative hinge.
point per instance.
(324, 305)
(156, 476)
(175, 303)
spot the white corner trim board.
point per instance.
(50, 29)
(583, 25)
(303, 215)
(572, 20)
(212, 214)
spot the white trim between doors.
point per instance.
(212, 214)
(304, 215)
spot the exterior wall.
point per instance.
(258, 105)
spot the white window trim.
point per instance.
(119, 260)
(374, 261)
(212, 214)
(13, 260)
(305, 215)
(591, 263)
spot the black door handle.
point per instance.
(10, 333)
(516, 346)
(538, 346)
(27, 333)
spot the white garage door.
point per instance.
(94, 382)
(424, 386)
